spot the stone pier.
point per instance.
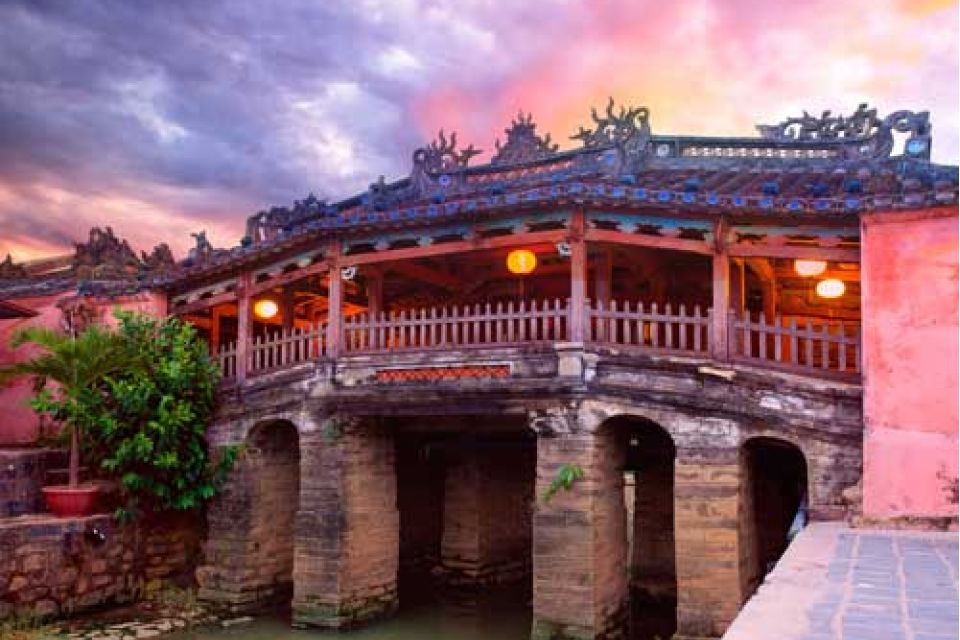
(347, 529)
(579, 540)
(248, 556)
(714, 547)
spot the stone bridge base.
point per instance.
(599, 508)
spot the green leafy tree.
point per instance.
(78, 367)
(151, 432)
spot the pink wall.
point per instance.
(910, 359)
(18, 423)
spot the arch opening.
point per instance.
(646, 454)
(465, 495)
(777, 495)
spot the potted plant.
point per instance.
(78, 366)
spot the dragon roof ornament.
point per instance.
(441, 156)
(625, 133)
(862, 134)
(523, 144)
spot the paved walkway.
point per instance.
(837, 583)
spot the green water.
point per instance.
(435, 622)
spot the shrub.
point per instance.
(152, 419)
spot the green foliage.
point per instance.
(567, 474)
(151, 432)
(142, 396)
(78, 366)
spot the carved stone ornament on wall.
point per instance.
(523, 144)
(622, 137)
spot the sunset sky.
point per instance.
(162, 118)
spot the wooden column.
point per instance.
(738, 287)
(578, 277)
(287, 310)
(770, 300)
(243, 324)
(215, 330)
(603, 276)
(721, 291)
(335, 303)
(374, 278)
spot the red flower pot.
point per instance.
(65, 501)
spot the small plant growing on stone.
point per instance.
(566, 476)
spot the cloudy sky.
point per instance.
(165, 117)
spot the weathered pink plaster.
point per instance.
(18, 423)
(910, 362)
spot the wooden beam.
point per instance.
(426, 274)
(787, 273)
(286, 278)
(204, 303)
(480, 244)
(834, 254)
(653, 242)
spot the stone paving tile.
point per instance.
(868, 585)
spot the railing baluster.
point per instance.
(809, 345)
(762, 331)
(682, 325)
(825, 346)
(842, 349)
(794, 343)
(697, 337)
(654, 327)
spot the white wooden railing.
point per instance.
(499, 325)
(802, 345)
(650, 328)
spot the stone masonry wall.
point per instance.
(347, 529)
(58, 566)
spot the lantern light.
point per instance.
(830, 288)
(808, 268)
(265, 309)
(521, 261)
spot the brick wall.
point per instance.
(58, 566)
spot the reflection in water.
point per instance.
(503, 615)
(500, 614)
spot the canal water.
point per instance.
(502, 616)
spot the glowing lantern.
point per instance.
(265, 308)
(521, 261)
(830, 288)
(807, 268)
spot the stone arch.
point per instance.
(776, 499)
(646, 453)
(250, 540)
